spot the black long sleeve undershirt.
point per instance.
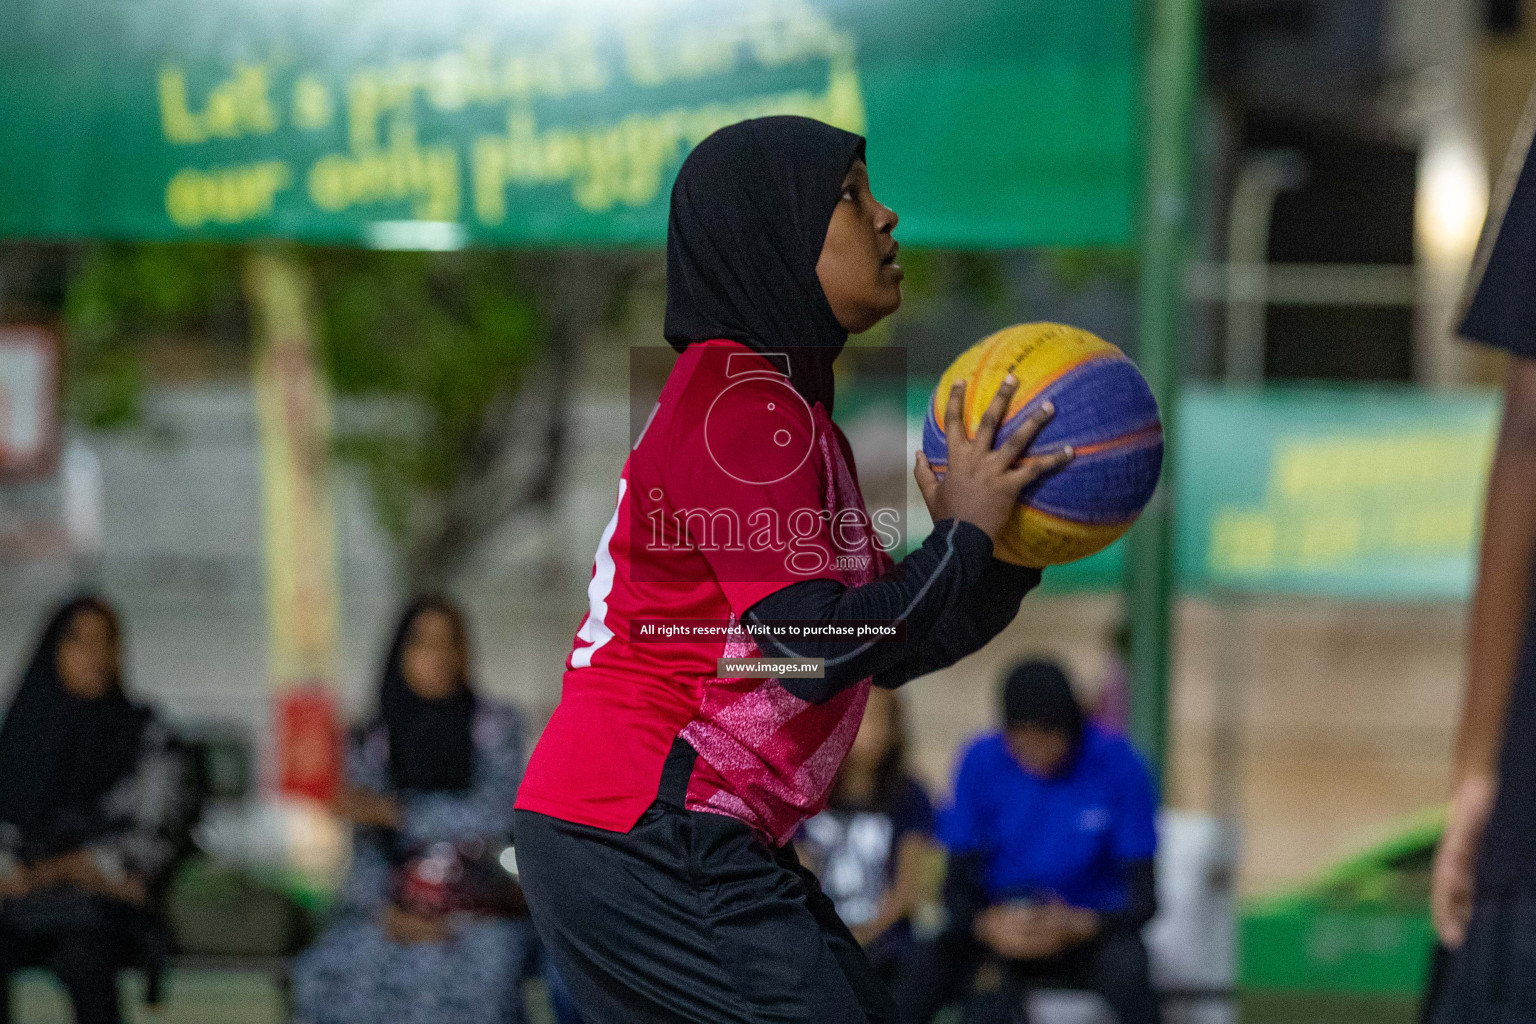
(993, 604)
(950, 595)
(1140, 902)
(965, 895)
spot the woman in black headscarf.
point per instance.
(654, 825)
(89, 808)
(430, 784)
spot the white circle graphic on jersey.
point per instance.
(759, 430)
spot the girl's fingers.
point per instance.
(927, 479)
(1032, 469)
(1019, 441)
(986, 430)
(954, 416)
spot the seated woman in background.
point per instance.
(873, 845)
(430, 786)
(89, 810)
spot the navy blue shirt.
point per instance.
(1501, 306)
(1067, 837)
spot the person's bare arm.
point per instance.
(910, 886)
(408, 928)
(1503, 580)
(80, 869)
(366, 808)
(1499, 610)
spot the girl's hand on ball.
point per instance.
(981, 484)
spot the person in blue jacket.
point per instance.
(1051, 840)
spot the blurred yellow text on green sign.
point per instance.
(437, 123)
(1363, 493)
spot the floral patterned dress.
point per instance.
(354, 973)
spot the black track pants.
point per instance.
(690, 917)
(955, 967)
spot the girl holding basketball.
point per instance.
(654, 820)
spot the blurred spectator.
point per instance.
(1051, 841)
(1112, 706)
(560, 1002)
(423, 934)
(872, 846)
(89, 809)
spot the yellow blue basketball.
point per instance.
(1104, 410)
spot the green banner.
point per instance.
(407, 123)
(1344, 492)
(1353, 493)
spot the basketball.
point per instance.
(1104, 410)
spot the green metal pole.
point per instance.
(1170, 91)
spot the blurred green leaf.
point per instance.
(950, 274)
(119, 297)
(450, 334)
(1076, 269)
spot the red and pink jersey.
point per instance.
(735, 489)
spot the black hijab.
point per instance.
(431, 742)
(1038, 693)
(750, 210)
(60, 754)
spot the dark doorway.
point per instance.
(1356, 206)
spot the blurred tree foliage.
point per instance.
(463, 360)
(935, 274)
(477, 350)
(444, 344)
(119, 298)
(1074, 269)
(981, 278)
